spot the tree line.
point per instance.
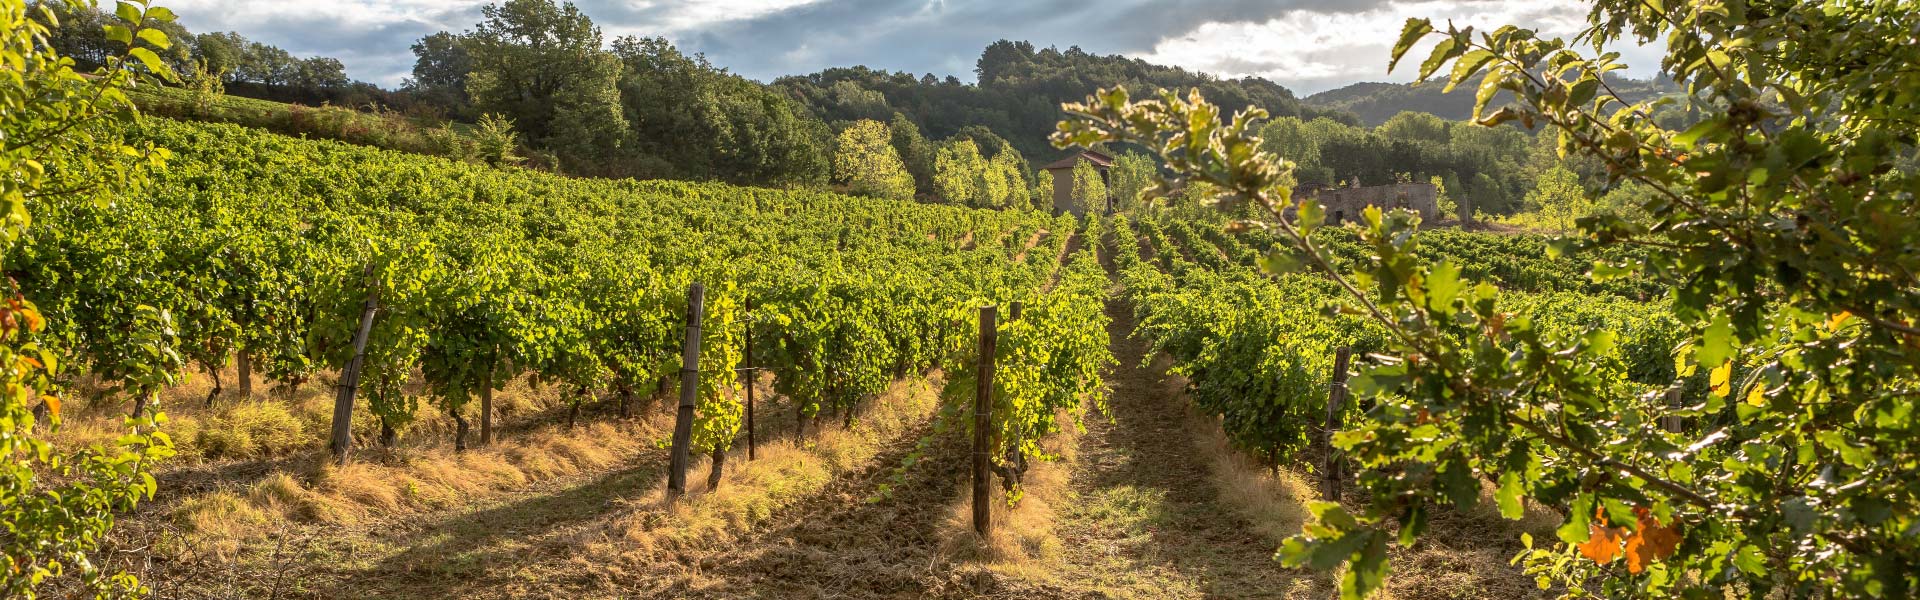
(244, 66)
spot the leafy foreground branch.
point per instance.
(60, 139)
(1784, 225)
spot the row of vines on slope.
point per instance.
(1259, 350)
(267, 250)
(1781, 240)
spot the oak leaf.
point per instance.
(1603, 544)
(1651, 542)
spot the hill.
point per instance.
(1374, 102)
(1019, 93)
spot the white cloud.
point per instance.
(682, 15)
(1311, 51)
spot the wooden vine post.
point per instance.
(1336, 403)
(982, 417)
(689, 390)
(486, 409)
(243, 363)
(1673, 423)
(342, 439)
(751, 375)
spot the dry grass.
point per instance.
(751, 492)
(250, 429)
(1024, 541)
(433, 479)
(277, 421)
(1273, 502)
(223, 520)
(407, 481)
(220, 522)
(1463, 554)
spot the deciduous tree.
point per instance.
(541, 65)
(864, 160)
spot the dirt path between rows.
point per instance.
(1145, 521)
(850, 540)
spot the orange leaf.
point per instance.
(1603, 545)
(1651, 542)
(1834, 322)
(53, 404)
(1637, 552)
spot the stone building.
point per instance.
(1062, 171)
(1344, 204)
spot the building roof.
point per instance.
(1100, 161)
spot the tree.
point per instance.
(63, 143)
(691, 120)
(1290, 138)
(1007, 185)
(864, 160)
(957, 173)
(1444, 203)
(1461, 207)
(541, 66)
(1558, 199)
(320, 72)
(1042, 196)
(1773, 225)
(1089, 188)
(1132, 173)
(263, 63)
(999, 58)
(440, 68)
(914, 150)
(1487, 196)
(221, 52)
(1417, 127)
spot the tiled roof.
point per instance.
(1099, 160)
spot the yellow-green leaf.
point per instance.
(127, 12)
(1412, 32)
(156, 37)
(1441, 52)
(1468, 64)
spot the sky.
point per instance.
(1306, 45)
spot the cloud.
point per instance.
(1308, 45)
(1312, 51)
(371, 37)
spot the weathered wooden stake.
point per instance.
(244, 364)
(1673, 423)
(751, 375)
(1013, 312)
(342, 440)
(982, 417)
(486, 409)
(1336, 402)
(689, 388)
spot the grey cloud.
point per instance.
(944, 37)
(379, 53)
